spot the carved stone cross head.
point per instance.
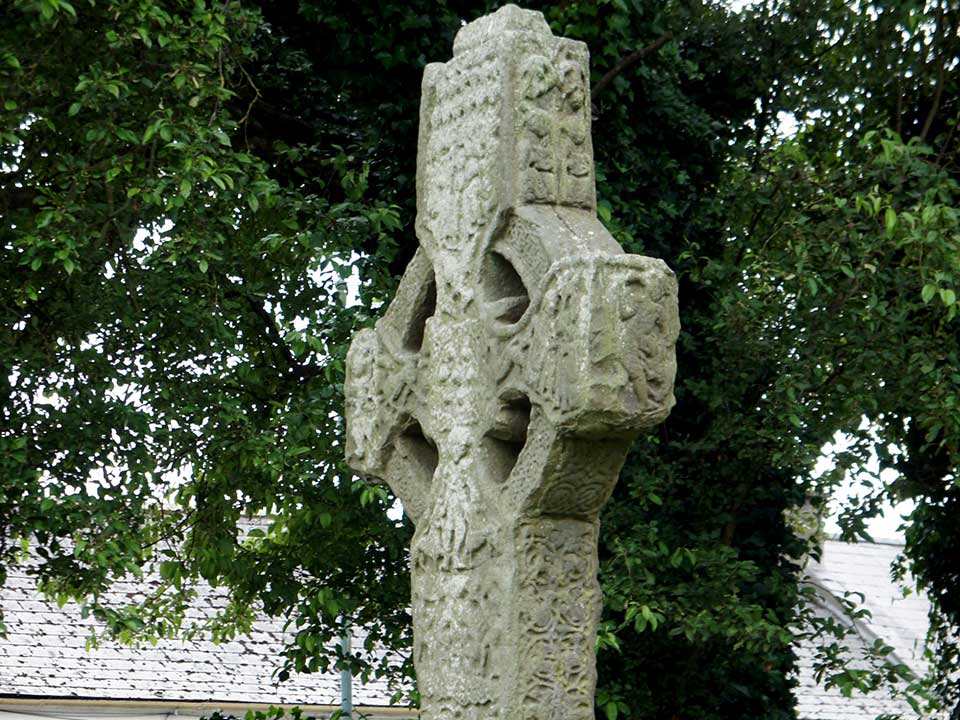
(498, 395)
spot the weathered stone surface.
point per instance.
(498, 396)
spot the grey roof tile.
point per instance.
(45, 655)
(899, 621)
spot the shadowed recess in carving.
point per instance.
(504, 442)
(425, 308)
(418, 450)
(632, 299)
(504, 289)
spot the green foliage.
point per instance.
(174, 326)
(187, 186)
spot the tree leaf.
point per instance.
(890, 221)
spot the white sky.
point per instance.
(884, 527)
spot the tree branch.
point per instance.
(938, 92)
(272, 332)
(629, 61)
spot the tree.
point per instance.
(174, 319)
(853, 228)
(184, 199)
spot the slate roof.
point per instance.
(900, 621)
(44, 656)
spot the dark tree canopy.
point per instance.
(186, 186)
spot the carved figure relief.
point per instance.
(498, 395)
(555, 152)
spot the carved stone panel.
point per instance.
(500, 392)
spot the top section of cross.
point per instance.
(490, 28)
(522, 342)
(505, 123)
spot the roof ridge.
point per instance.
(888, 541)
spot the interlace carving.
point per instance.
(498, 395)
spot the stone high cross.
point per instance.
(498, 396)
